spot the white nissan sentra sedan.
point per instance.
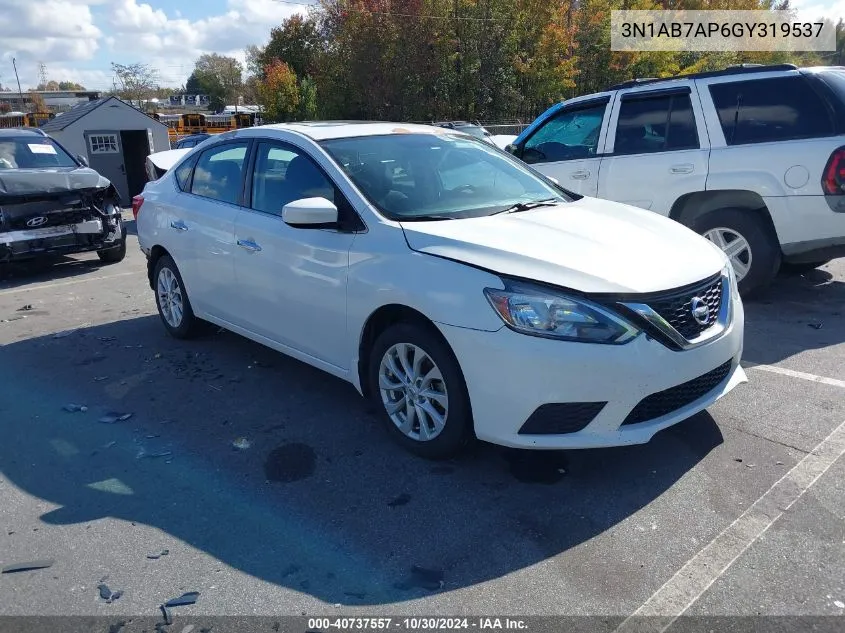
(462, 292)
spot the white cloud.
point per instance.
(44, 31)
(245, 22)
(97, 32)
(814, 10)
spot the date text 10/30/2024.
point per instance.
(316, 625)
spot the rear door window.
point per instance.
(660, 123)
(183, 173)
(219, 173)
(774, 109)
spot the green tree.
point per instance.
(279, 93)
(307, 99)
(219, 77)
(135, 81)
(296, 42)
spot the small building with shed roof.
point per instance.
(115, 139)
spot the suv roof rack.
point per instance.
(737, 69)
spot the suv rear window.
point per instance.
(766, 110)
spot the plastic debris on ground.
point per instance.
(427, 578)
(158, 555)
(107, 594)
(430, 579)
(143, 454)
(25, 308)
(75, 408)
(401, 500)
(184, 600)
(27, 566)
(241, 444)
(111, 418)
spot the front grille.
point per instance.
(561, 418)
(664, 402)
(677, 309)
(54, 218)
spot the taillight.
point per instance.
(833, 180)
(137, 201)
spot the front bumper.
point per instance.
(510, 375)
(90, 235)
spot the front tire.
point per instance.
(117, 254)
(748, 242)
(172, 301)
(419, 392)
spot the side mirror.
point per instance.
(512, 149)
(532, 156)
(82, 159)
(310, 213)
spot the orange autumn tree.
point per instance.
(278, 93)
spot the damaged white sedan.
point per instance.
(52, 204)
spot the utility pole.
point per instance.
(20, 92)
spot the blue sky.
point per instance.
(78, 39)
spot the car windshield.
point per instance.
(472, 130)
(420, 176)
(32, 152)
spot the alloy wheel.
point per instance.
(413, 392)
(735, 246)
(170, 298)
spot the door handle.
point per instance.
(249, 245)
(583, 174)
(682, 169)
(178, 225)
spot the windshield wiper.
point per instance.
(425, 218)
(527, 206)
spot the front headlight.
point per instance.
(541, 312)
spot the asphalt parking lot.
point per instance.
(737, 511)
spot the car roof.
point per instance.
(737, 69)
(21, 131)
(325, 130)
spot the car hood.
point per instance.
(17, 183)
(589, 245)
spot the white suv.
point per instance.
(752, 157)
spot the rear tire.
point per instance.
(172, 301)
(428, 388)
(751, 245)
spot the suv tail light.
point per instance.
(137, 201)
(833, 180)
